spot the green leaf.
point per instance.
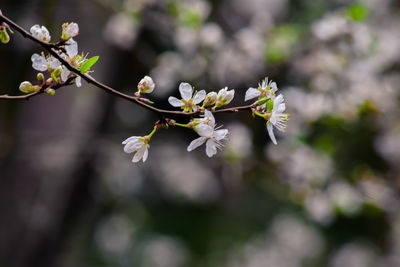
(53, 75)
(283, 39)
(357, 12)
(89, 63)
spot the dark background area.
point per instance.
(326, 195)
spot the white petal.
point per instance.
(222, 92)
(204, 130)
(39, 62)
(175, 101)
(146, 154)
(64, 74)
(130, 139)
(139, 154)
(274, 118)
(53, 62)
(220, 134)
(211, 148)
(71, 48)
(35, 28)
(78, 81)
(199, 96)
(186, 91)
(132, 146)
(274, 87)
(271, 132)
(281, 108)
(251, 93)
(229, 96)
(196, 143)
(278, 100)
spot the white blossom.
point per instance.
(277, 118)
(210, 99)
(71, 48)
(225, 96)
(208, 134)
(265, 89)
(40, 33)
(189, 101)
(70, 30)
(139, 145)
(146, 85)
(42, 63)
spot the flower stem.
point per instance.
(152, 132)
(259, 114)
(181, 125)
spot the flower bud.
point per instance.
(69, 30)
(146, 85)
(5, 38)
(57, 71)
(49, 81)
(50, 91)
(224, 97)
(40, 77)
(210, 99)
(25, 87)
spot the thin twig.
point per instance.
(27, 96)
(53, 50)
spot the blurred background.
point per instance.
(326, 195)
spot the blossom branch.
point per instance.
(40, 91)
(53, 49)
(66, 66)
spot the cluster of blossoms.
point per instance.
(268, 106)
(64, 57)
(190, 101)
(59, 73)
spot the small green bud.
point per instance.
(25, 87)
(40, 77)
(50, 91)
(54, 76)
(49, 81)
(270, 105)
(5, 38)
(57, 72)
(210, 99)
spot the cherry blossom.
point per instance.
(277, 118)
(189, 101)
(265, 89)
(139, 145)
(208, 134)
(69, 30)
(40, 32)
